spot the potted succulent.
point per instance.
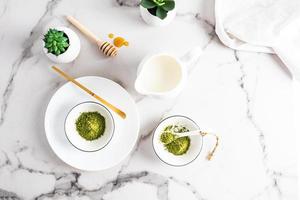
(158, 12)
(61, 44)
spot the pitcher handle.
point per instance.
(191, 56)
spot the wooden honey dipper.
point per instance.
(107, 48)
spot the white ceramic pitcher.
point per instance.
(163, 74)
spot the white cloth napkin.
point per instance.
(270, 26)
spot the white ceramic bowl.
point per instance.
(73, 136)
(195, 145)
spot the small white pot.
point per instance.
(71, 53)
(156, 21)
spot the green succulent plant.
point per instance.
(158, 8)
(56, 42)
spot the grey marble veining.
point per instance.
(128, 3)
(230, 91)
(4, 6)
(66, 184)
(26, 54)
(260, 134)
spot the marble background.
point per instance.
(245, 97)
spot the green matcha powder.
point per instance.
(90, 125)
(173, 144)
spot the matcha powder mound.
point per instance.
(173, 144)
(179, 146)
(90, 125)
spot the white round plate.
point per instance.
(167, 157)
(126, 130)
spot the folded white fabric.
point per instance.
(270, 26)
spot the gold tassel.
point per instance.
(211, 153)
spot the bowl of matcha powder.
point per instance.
(174, 150)
(89, 126)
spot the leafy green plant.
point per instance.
(158, 8)
(56, 42)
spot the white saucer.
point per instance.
(126, 130)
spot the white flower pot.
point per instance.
(73, 50)
(156, 21)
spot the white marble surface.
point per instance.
(245, 97)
